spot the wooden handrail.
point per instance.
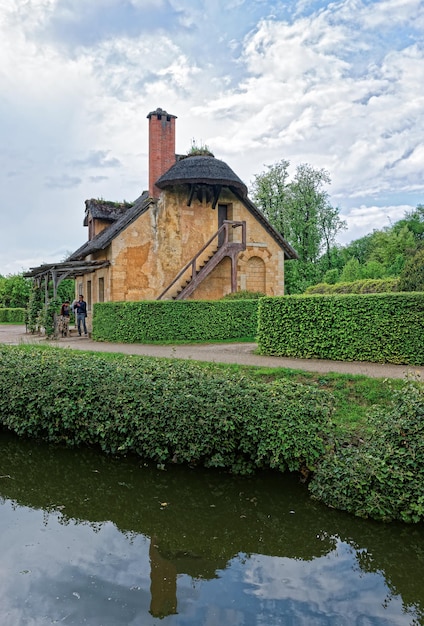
(223, 229)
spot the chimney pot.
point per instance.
(161, 146)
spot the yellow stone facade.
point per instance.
(147, 255)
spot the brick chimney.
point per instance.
(161, 146)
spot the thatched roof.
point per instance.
(104, 238)
(202, 170)
(105, 210)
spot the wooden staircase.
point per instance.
(208, 257)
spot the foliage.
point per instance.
(188, 320)
(34, 308)
(65, 290)
(381, 328)
(412, 276)
(384, 285)
(199, 150)
(381, 474)
(48, 316)
(165, 411)
(300, 210)
(244, 295)
(14, 291)
(12, 316)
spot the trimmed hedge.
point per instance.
(381, 328)
(188, 320)
(12, 316)
(369, 285)
(162, 410)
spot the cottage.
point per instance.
(193, 235)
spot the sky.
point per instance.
(338, 85)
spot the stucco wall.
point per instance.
(149, 253)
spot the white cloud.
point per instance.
(341, 87)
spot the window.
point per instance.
(101, 289)
(89, 295)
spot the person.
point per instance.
(80, 309)
(65, 313)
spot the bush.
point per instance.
(369, 285)
(382, 475)
(412, 276)
(188, 320)
(12, 316)
(244, 295)
(381, 328)
(161, 410)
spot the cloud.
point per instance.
(364, 219)
(62, 182)
(73, 23)
(98, 179)
(336, 85)
(97, 159)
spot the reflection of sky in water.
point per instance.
(76, 574)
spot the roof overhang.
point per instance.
(67, 269)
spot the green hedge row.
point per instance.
(161, 410)
(369, 285)
(381, 328)
(381, 474)
(12, 316)
(189, 320)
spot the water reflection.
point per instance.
(87, 539)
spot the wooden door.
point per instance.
(222, 216)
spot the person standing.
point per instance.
(65, 313)
(80, 309)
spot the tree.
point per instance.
(412, 276)
(300, 210)
(351, 271)
(270, 192)
(14, 291)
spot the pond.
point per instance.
(91, 539)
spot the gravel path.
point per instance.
(242, 353)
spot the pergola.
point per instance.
(56, 272)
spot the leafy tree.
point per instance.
(414, 222)
(412, 276)
(300, 210)
(14, 291)
(351, 271)
(270, 192)
(66, 290)
(331, 276)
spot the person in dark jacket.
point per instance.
(80, 309)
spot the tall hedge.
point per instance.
(164, 411)
(12, 316)
(189, 320)
(381, 328)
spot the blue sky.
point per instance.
(337, 85)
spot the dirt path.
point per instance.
(242, 353)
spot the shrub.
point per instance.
(381, 328)
(369, 285)
(244, 295)
(382, 475)
(161, 410)
(188, 320)
(12, 316)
